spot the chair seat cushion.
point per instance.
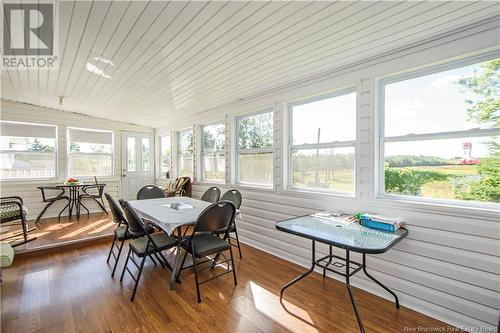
(120, 232)
(206, 244)
(11, 210)
(161, 239)
(6, 254)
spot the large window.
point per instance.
(165, 155)
(213, 152)
(439, 136)
(322, 145)
(185, 153)
(254, 149)
(27, 150)
(90, 152)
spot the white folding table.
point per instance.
(170, 219)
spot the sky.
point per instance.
(427, 104)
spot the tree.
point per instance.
(485, 110)
(486, 84)
(37, 146)
(256, 131)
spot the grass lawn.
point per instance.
(341, 180)
(444, 189)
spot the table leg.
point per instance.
(351, 296)
(175, 267)
(329, 262)
(379, 283)
(303, 275)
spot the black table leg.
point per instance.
(379, 283)
(329, 262)
(303, 275)
(351, 296)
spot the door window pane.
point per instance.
(145, 155)
(131, 154)
(327, 169)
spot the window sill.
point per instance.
(209, 182)
(318, 193)
(448, 208)
(54, 180)
(267, 188)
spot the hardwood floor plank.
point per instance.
(72, 291)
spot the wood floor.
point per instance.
(72, 291)
(54, 231)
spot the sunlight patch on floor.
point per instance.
(102, 228)
(84, 229)
(292, 318)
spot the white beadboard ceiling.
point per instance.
(161, 61)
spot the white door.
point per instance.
(137, 163)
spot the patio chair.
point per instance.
(50, 200)
(94, 192)
(12, 209)
(203, 242)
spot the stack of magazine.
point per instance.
(381, 222)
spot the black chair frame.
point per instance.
(234, 196)
(17, 201)
(52, 200)
(150, 192)
(190, 246)
(139, 228)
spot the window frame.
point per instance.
(69, 153)
(160, 156)
(55, 152)
(380, 138)
(179, 154)
(333, 144)
(216, 152)
(238, 150)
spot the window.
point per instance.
(213, 159)
(185, 153)
(27, 150)
(90, 153)
(165, 155)
(439, 135)
(322, 147)
(254, 151)
(145, 157)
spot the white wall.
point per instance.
(449, 267)
(27, 188)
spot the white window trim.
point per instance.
(55, 153)
(160, 156)
(237, 151)
(215, 152)
(381, 139)
(179, 154)
(323, 145)
(69, 153)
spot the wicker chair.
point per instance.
(180, 188)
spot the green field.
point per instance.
(340, 180)
(444, 189)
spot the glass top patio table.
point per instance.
(350, 236)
